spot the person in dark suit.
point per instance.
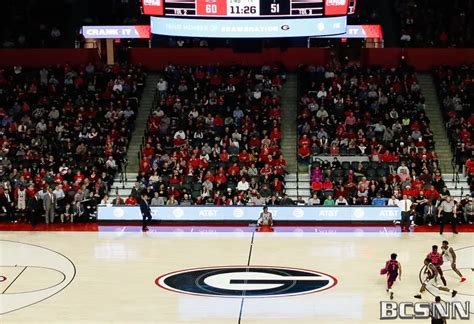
(67, 212)
(78, 210)
(145, 210)
(118, 201)
(35, 209)
(7, 205)
(49, 204)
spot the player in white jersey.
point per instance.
(265, 218)
(21, 198)
(431, 274)
(449, 255)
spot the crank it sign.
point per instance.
(246, 282)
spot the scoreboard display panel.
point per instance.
(248, 28)
(246, 8)
(248, 18)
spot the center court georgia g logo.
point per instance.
(246, 282)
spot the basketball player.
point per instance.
(21, 198)
(393, 269)
(431, 273)
(449, 255)
(437, 260)
(265, 218)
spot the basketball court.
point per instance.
(121, 275)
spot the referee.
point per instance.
(436, 317)
(405, 206)
(447, 214)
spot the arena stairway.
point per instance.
(457, 184)
(289, 107)
(433, 112)
(141, 121)
(295, 188)
(123, 187)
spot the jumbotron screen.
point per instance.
(248, 18)
(247, 8)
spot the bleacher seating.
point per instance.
(66, 128)
(214, 135)
(372, 112)
(455, 87)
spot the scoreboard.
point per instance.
(248, 18)
(247, 8)
(243, 8)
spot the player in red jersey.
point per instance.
(437, 260)
(393, 269)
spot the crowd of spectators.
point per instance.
(374, 112)
(376, 116)
(213, 137)
(64, 131)
(455, 87)
(386, 184)
(435, 23)
(354, 188)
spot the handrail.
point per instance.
(299, 89)
(455, 166)
(124, 172)
(297, 137)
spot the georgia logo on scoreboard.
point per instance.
(246, 281)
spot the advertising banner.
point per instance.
(361, 31)
(248, 28)
(138, 31)
(243, 213)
